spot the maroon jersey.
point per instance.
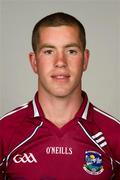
(33, 148)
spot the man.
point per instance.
(59, 135)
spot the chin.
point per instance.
(61, 94)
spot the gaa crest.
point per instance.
(94, 164)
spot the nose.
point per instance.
(61, 61)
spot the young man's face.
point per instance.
(60, 61)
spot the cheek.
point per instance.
(43, 68)
(76, 66)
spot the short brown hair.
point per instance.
(54, 20)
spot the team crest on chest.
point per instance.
(94, 163)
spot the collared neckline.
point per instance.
(82, 112)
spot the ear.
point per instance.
(86, 59)
(33, 62)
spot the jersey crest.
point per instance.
(93, 163)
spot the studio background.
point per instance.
(101, 19)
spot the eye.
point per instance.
(72, 51)
(48, 51)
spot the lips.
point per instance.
(60, 76)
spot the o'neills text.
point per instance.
(59, 150)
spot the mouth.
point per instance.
(60, 77)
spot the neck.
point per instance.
(60, 110)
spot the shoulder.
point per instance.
(11, 126)
(110, 127)
(107, 123)
(14, 117)
(13, 123)
(104, 118)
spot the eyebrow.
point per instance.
(73, 45)
(46, 45)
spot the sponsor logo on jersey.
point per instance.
(94, 164)
(24, 158)
(59, 150)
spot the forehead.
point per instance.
(59, 35)
(59, 29)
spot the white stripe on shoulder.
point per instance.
(103, 144)
(36, 113)
(107, 115)
(97, 135)
(14, 111)
(117, 162)
(85, 113)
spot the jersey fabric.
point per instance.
(33, 148)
